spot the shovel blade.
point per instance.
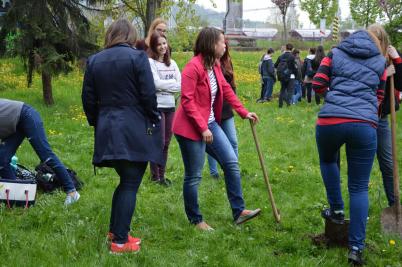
(391, 221)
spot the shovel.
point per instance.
(391, 217)
(264, 171)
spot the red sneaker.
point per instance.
(124, 248)
(131, 239)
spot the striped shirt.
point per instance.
(214, 90)
(321, 82)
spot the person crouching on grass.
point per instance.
(120, 102)
(167, 80)
(196, 127)
(19, 121)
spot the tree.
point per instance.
(51, 34)
(283, 6)
(146, 10)
(365, 12)
(391, 8)
(320, 9)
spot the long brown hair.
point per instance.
(205, 45)
(381, 37)
(152, 28)
(153, 48)
(120, 32)
(226, 64)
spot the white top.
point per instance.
(214, 89)
(167, 81)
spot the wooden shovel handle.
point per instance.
(264, 171)
(394, 150)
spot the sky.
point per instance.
(261, 15)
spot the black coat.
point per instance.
(119, 100)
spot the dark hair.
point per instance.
(319, 54)
(270, 50)
(226, 63)
(289, 47)
(153, 48)
(295, 52)
(312, 50)
(120, 32)
(205, 45)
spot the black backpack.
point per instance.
(309, 69)
(48, 181)
(283, 71)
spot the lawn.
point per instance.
(49, 234)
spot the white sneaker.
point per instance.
(70, 199)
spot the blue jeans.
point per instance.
(384, 156)
(228, 127)
(30, 126)
(124, 198)
(193, 154)
(361, 145)
(267, 87)
(298, 92)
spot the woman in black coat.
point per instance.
(119, 101)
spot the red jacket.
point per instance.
(191, 118)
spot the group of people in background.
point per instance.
(129, 96)
(294, 75)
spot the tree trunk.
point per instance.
(152, 8)
(47, 88)
(284, 28)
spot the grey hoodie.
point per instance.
(10, 112)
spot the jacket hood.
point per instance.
(360, 45)
(311, 57)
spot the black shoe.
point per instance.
(215, 176)
(333, 217)
(166, 182)
(355, 257)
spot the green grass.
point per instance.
(50, 235)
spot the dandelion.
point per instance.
(392, 242)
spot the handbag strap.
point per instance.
(26, 199)
(8, 198)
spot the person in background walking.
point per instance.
(308, 73)
(267, 72)
(286, 71)
(315, 63)
(298, 79)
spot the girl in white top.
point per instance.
(167, 79)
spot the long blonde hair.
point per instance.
(381, 37)
(152, 28)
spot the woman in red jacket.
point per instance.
(196, 126)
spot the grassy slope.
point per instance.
(50, 235)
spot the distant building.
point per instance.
(308, 35)
(261, 33)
